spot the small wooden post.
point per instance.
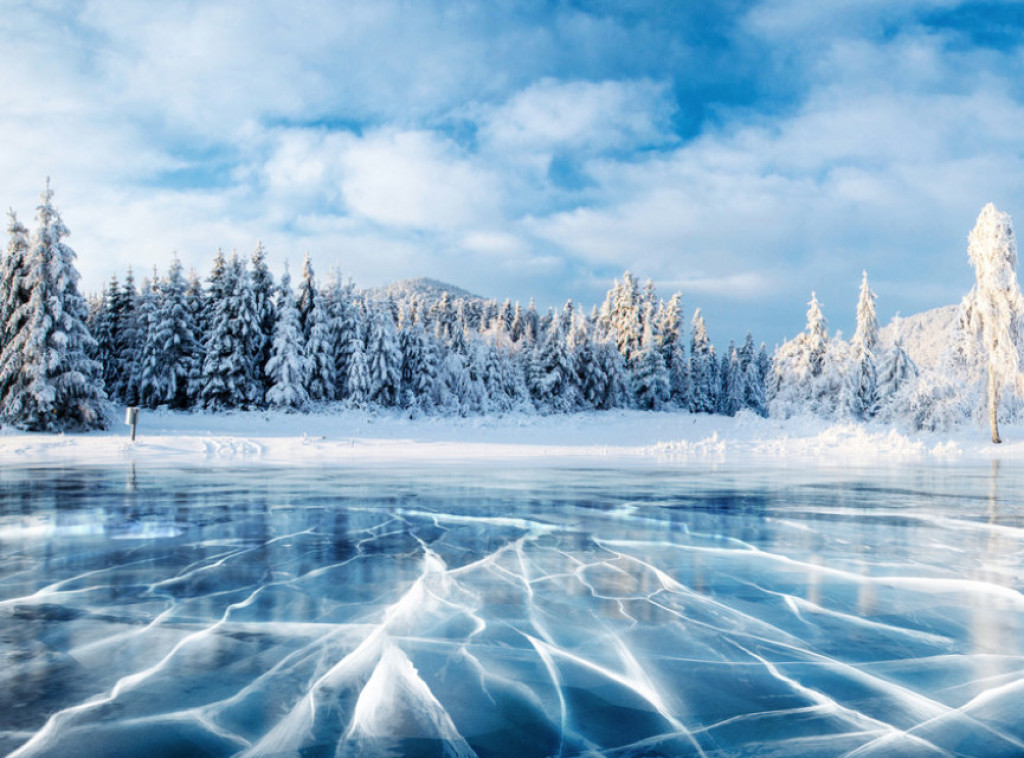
(131, 418)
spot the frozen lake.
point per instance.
(537, 611)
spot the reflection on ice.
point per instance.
(488, 613)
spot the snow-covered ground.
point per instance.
(612, 437)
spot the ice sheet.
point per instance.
(512, 611)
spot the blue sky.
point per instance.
(744, 153)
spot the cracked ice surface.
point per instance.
(534, 612)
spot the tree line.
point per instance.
(238, 339)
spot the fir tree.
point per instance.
(195, 300)
(860, 388)
(176, 339)
(51, 383)
(650, 375)
(319, 353)
(384, 359)
(15, 294)
(670, 330)
(288, 367)
(897, 372)
(263, 291)
(702, 369)
(231, 378)
(419, 367)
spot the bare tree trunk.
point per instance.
(993, 405)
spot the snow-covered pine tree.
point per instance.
(264, 292)
(553, 388)
(144, 376)
(129, 339)
(651, 386)
(476, 399)
(753, 382)
(171, 349)
(195, 300)
(176, 338)
(51, 383)
(419, 367)
(531, 324)
(992, 250)
(860, 389)
(344, 324)
(288, 366)
(896, 375)
(796, 382)
(731, 378)
(517, 326)
(14, 294)
(702, 368)
(307, 294)
(320, 353)
(670, 328)
(383, 357)
(357, 380)
(626, 317)
(231, 378)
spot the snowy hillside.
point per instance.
(925, 335)
(423, 289)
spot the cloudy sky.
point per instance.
(744, 153)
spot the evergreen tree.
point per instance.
(195, 301)
(14, 295)
(230, 375)
(319, 353)
(357, 377)
(553, 388)
(129, 336)
(419, 367)
(345, 329)
(702, 369)
(51, 383)
(670, 330)
(171, 350)
(288, 366)
(798, 382)
(650, 375)
(897, 372)
(144, 378)
(625, 317)
(732, 383)
(263, 291)
(860, 391)
(384, 359)
(307, 295)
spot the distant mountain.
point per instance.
(422, 289)
(925, 335)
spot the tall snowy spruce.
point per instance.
(15, 294)
(860, 388)
(50, 383)
(702, 368)
(230, 376)
(999, 307)
(288, 368)
(799, 383)
(172, 345)
(651, 385)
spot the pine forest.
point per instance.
(237, 339)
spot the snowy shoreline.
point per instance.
(609, 438)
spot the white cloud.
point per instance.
(580, 116)
(417, 179)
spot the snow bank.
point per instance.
(603, 438)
